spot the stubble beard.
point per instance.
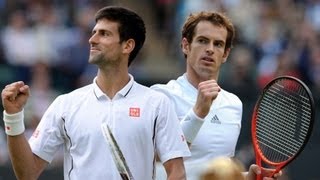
(205, 73)
(96, 59)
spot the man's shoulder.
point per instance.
(147, 91)
(170, 87)
(81, 90)
(230, 96)
(76, 94)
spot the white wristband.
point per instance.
(191, 125)
(13, 123)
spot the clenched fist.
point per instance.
(207, 92)
(14, 96)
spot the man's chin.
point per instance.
(91, 61)
(207, 75)
(95, 59)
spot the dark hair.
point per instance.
(131, 26)
(215, 18)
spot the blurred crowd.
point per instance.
(45, 44)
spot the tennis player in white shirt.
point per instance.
(142, 120)
(210, 117)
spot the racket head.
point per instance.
(282, 121)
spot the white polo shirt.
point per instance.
(219, 133)
(142, 121)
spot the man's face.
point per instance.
(105, 46)
(206, 52)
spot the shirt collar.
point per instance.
(187, 84)
(123, 92)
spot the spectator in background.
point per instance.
(4, 156)
(19, 44)
(240, 73)
(315, 71)
(73, 64)
(222, 168)
(165, 13)
(285, 65)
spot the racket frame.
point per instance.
(258, 152)
(116, 153)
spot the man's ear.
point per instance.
(226, 54)
(129, 46)
(185, 46)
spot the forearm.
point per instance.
(22, 159)
(191, 125)
(25, 164)
(177, 176)
(175, 169)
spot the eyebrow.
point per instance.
(205, 37)
(201, 36)
(100, 30)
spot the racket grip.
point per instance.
(259, 177)
(258, 162)
(124, 176)
(276, 171)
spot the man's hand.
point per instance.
(207, 92)
(265, 173)
(14, 96)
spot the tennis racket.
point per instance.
(117, 155)
(282, 122)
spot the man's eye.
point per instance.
(202, 41)
(219, 45)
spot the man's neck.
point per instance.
(111, 83)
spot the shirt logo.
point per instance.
(215, 120)
(182, 138)
(35, 134)
(134, 112)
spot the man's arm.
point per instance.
(26, 165)
(175, 169)
(193, 120)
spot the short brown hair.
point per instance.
(215, 18)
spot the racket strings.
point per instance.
(279, 117)
(295, 95)
(283, 120)
(282, 115)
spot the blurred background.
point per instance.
(45, 44)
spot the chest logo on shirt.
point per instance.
(215, 119)
(134, 112)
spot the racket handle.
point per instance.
(259, 177)
(258, 162)
(278, 169)
(124, 176)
